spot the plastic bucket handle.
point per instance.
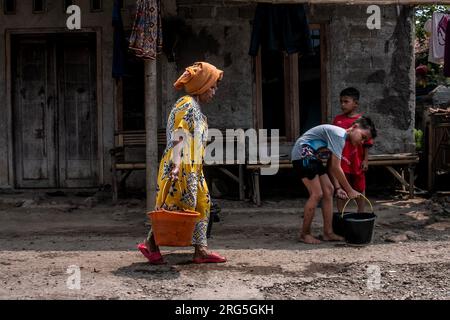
(166, 189)
(361, 195)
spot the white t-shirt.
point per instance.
(323, 136)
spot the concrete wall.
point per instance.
(380, 63)
(218, 33)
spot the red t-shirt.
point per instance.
(352, 157)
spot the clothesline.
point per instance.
(353, 2)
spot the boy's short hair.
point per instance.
(367, 123)
(350, 92)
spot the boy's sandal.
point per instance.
(153, 257)
(211, 258)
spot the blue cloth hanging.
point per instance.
(120, 45)
(281, 27)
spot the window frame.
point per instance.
(292, 105)
(44, 7)
(66, 5)
(91, 5)
(14, 11)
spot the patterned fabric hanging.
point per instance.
(146, 35)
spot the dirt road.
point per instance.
(45, 241)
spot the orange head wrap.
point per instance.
(198, 78)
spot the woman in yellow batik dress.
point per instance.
(181, 183)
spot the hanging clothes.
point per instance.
(120, 45)
(280, 27)
(146, 35)
(447, 53)
(439, 23)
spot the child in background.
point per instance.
(355, 159)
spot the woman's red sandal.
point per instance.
(210, 258)
(153, 257)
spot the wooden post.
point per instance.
(430, 153)
(256, 194)
(151, 132)
(241, 182)
(411, 180)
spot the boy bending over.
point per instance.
(326, 143)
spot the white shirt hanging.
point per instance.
(437, 38)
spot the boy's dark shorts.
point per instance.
(309, 168)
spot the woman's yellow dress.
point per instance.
(190, 192)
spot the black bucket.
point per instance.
(358, 227)
(338, 223)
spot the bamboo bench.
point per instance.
(121, 167)
(401, 160)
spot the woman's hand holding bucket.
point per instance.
(174, 173)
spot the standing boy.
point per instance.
(355, 159)
(326, 142)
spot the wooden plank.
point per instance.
(411, 181)
(9, 112)
(241, 182)
(392, 162)
(151, 128)
(292, 106)
(131, 166)
(78, 142)
(254, 167)
(371, 163)
(258, 107)
(229, 174)
(119, 104)
(392, 156)
(398, 176)
(324, 67)
(99, 104)
(34, 118)
(351, 2)
(256, 191)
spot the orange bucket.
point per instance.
(173, 228)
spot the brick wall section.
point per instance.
(218, 32)
(380, 63)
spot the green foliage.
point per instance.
(418, 137)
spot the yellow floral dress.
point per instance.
(190, 191)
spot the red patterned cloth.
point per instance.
(146, 35)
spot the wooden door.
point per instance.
(78, 164)
(34, 115)
(54, 110)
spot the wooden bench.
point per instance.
(121, 167)
(401, 160)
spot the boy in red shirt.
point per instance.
(355, 159)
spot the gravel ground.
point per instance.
(45, 241)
